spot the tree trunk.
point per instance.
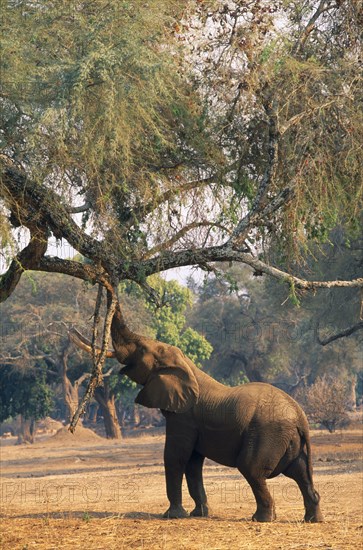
(70, 391)
(135, 415)
(26, 431)
(92, 414)
(106, 401)
(352, 395)
(70, 396)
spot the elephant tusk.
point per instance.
(82, 342)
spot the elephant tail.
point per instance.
(305, 440)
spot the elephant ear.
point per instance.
(170, 389)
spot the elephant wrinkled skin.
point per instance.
(256, 428)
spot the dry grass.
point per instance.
(98, 495)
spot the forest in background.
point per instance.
(237, 327)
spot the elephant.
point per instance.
(256, 427)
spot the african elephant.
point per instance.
(256, 428)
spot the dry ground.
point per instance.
(84, 492)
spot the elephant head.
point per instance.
(164, 372)
(168, 380)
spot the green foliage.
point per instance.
(24, 392)
(195, 346)
(124, 389)
(168, 317)
(96, 88)
(311, 92)
(237, 379)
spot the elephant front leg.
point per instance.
(194, 476)
(175, 464)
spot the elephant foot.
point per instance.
(264, 515)
(314, 517)
(200, 511)
(176, 512)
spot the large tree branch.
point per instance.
(28, 258)
(342, 334)
(226, 253)
(86, 272)
(33, 203)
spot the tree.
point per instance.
(175, 157)
(34, 328)
(34, 323)
(76, 110)
(325, 403)
(24, 392)
(257, 332)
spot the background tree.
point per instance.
(259, 332)
(169, 321)
(35, 322)
(325, 402)
(34, 328)
(24, 392)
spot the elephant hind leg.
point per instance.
(299, 472)
(265, 504)
(194, 476)
(256, 463)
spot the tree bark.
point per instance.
(135, 415)
(352, 395)
(26, 431)
(92, 415)
(106, 401)
(70, 391)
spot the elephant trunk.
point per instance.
(125, 342)
(80, 341)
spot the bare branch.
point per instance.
(79, 209)
(226, 253)
(96, 375)
(82, 378)
(28, 258)
(180, 234)
(325, 5)
(342, 334)
(80, 341)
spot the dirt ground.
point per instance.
(83, 491)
